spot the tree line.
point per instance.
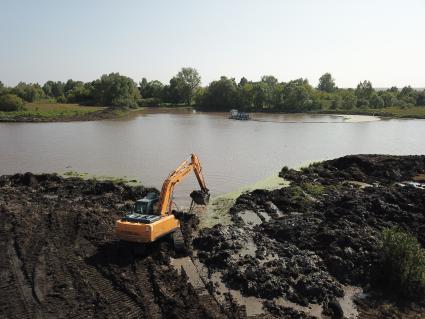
(268, 94)
(112, 90)
(298, 95)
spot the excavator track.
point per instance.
(178, 242)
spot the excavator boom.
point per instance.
(200, 197)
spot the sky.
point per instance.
(354, 40)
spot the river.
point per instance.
(233, 153)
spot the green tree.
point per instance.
(243, 81)
(389, 98)
(393, 89)
(2, 88)
(70, 84)
(115, 90)
(10, 103)
(349, 99)
(297, 96)
(363, 103)
(28, 92)
(54, 89)
(221, 95)
(269, 88)
(152, 89)
(336, 102)
(420, 101)
(364, 90)
(376, 101)
(142, 86)
(172, 93)
(327, 83)
(269, 79)
(408, 95)
(259, 98)
(188, 79)
(81, 93)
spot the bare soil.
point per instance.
(59, 258)
(308, 241)
(296, 250)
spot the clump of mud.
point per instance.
(59, 258)
(305, 243)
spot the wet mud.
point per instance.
(59, 258)
(308, 250)
(313, 241)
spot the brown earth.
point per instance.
(59, 258)
(304, 243)
(308, 241)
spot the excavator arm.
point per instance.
(200, 197)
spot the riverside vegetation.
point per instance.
(117, 93)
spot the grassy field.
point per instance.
(48, 110)
(414, 111)
(393, 111)
(125, 179)
(58, 109)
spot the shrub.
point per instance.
(403, 263)
(11, 102)
(61, 99)
(314, 189)
(362, 103)
(376, 101)
(150, 102)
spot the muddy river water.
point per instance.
(233, 153)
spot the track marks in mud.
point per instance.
(14, 285)
(59, 259)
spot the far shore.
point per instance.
(56, 112)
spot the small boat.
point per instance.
(236, 115)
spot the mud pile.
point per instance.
(306, 243)
(296, 251)
(59, 258)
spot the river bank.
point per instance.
(310, 242)
(57, 112)
(412, 112)
(305, 250)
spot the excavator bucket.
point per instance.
(200, 197)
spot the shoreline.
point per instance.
(105, 114)
(109, 113)
(327, 225)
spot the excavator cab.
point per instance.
(146, 204)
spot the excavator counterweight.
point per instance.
(152, 217)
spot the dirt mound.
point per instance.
(297, 250)
(59, 258)
(308, 241)
(362, 168)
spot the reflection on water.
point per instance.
(233, 153)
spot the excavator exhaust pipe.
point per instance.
(200, 197)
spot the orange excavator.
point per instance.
(153, 216)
